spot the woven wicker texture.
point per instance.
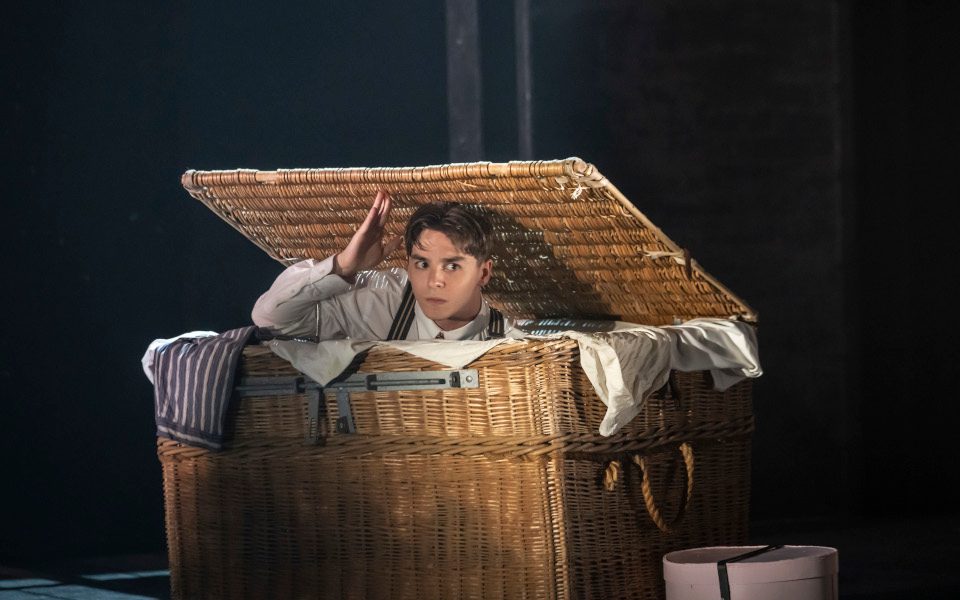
(560, 226)
(506, 491)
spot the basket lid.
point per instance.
(569, 244)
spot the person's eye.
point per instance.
(453, 267)
(421, 264)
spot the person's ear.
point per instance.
(486, 271)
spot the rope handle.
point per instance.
(614, 470)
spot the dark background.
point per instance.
(802, 150)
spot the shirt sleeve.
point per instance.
(308, 299)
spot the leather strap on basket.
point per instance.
(612, 474)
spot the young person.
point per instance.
(438, 296)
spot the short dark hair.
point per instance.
(469, 229)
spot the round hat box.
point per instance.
(752, 573)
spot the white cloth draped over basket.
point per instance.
(625, 364)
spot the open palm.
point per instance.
(367, 248)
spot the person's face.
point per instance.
(446, 281)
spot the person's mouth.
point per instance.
(436, 301)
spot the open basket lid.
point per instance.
(568, 243)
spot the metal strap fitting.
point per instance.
(358, 382)
(289, 386)
(385, 382)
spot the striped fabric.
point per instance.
(193, 383)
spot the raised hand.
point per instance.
(367, 248)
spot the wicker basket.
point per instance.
(505, 490)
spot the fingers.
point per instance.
(373, 215)
(384, 207)
(379, 213)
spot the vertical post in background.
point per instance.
(521, 13)
(851, 428)
(464, 90)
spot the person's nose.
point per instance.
(437, 278)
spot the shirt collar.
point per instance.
(474, 330)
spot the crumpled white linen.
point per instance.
(625, 364)
(325, 360)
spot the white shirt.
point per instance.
(307, 299)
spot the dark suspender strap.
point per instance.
(404, 317)
(495, 328)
